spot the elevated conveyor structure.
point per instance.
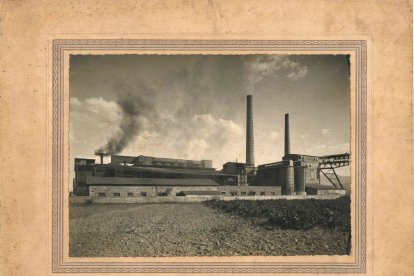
(328, 164)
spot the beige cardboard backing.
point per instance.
(28, 27)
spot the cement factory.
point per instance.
(141, 176)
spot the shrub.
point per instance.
(89, 201)
(293, 214)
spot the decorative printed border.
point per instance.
(358, 47)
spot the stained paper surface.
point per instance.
(28, 30)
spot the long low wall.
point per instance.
(184, 199)
(141, 191)
(250, 190)
(148, 199)
(126, 191)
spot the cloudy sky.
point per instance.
(194, 106)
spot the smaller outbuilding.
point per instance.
(317, 189)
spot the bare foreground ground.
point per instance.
(187, 229)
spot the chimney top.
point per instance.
(287, 135)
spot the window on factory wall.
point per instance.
(233, 193)
(130, 194)
(223, 193)
(143, 193)
(251, 193)
(262, 193)
(101, 194)
(163, 193)
(117, 194)
(243, 193)
(272, 193)
(313, 175)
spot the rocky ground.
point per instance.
(187, 229)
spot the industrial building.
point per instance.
(124, 186)
(160, 162)
(147, 171)
(295, 174)
(297, 171)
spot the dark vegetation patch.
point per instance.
(291, 214)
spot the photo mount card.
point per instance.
(379, 115)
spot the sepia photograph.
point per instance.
(206, 137)
(209, 155)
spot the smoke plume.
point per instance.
(135, 102)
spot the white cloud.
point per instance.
(298, 72)
(92, 122)
(340, 148)
(325, 131)
(223, 137)
(97, 110)
(207, 125)
(326, 149)
(74, 102)
(264, 66)
(201, 136)
(197, 148)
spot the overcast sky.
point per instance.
(194, 106)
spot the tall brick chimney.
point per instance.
(287, 135)
(249, 132)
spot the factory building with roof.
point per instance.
(295, 174)
(297, 171)
(140, 171)
(124, 186)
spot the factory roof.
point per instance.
(122, 159)
(86, 160)
(299, 154)
(139, 158)
(132, 181)
(200, 171)
(274, 164)
(196, 171)
(335, 155)
(81, 158)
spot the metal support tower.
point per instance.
(328, 164)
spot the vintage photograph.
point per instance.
(209, 155)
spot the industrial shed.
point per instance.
(127, 186)
(87, 168)
(318, 189)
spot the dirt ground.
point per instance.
(187, 229)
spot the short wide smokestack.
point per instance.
(101, 155)
(287, 136)
(249, 132)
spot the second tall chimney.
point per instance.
(249, 132)
(287, 138)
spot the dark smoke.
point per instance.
(135, 103)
